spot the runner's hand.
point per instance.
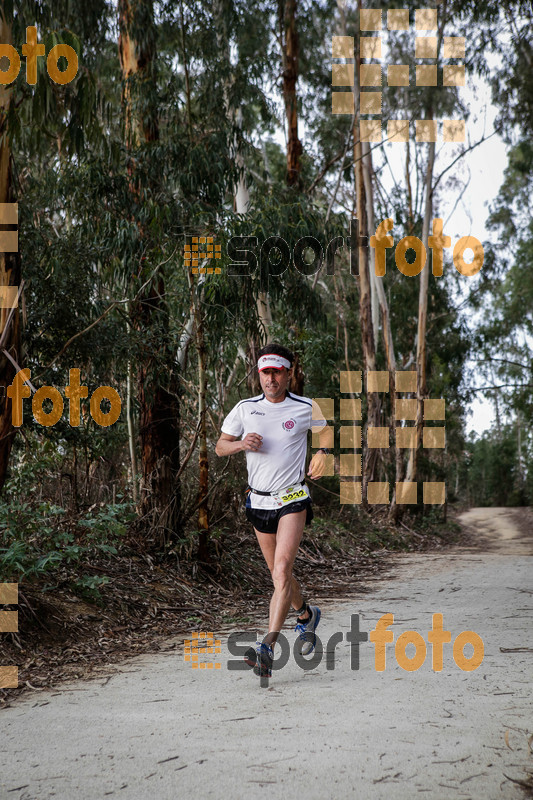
(252, 441)
(317, 465)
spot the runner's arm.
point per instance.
(227, 445)
(318, 463)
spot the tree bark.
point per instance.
(298, 377)
(137, 54)
(520, 462)
(241, 205)
(131, 426)
(375, 281)
(159, 504)
(290, 53)
(421, 352)
(365, 302)
(10, 275)
(203, 486)
(388, 340)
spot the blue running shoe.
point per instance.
(307, 629)
(260, 658)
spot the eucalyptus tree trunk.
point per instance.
(388, 340)
(131, 433)
(241, 202)
(131, 424)
(203, 485)
(241, 205)
(520, 461)
(159, 504)
(376, 284)
(10, 274)
(365, 300)
(290, 54)
(421, 349)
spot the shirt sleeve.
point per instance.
(233, 424)
(318, 420)
(323, 434)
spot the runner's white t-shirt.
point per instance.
(280, 462)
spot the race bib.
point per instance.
(289, 496)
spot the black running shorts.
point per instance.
(266, 520)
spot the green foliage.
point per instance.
(496, 474)
(38, 539)
(88, 586)
(103, 222)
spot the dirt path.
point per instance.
(156, 727)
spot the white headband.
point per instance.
(272, 361)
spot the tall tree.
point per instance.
(290, 52)
(421, 348)
(363, 202)
(157, 379)
(10, 269)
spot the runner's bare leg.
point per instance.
(288, 537)
(267, 543)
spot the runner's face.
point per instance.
(274, 383)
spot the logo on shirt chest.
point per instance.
(288, 425)
(261, 413)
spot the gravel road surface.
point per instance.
(155, 727)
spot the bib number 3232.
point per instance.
(290, 497)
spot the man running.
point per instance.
(272, 429)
